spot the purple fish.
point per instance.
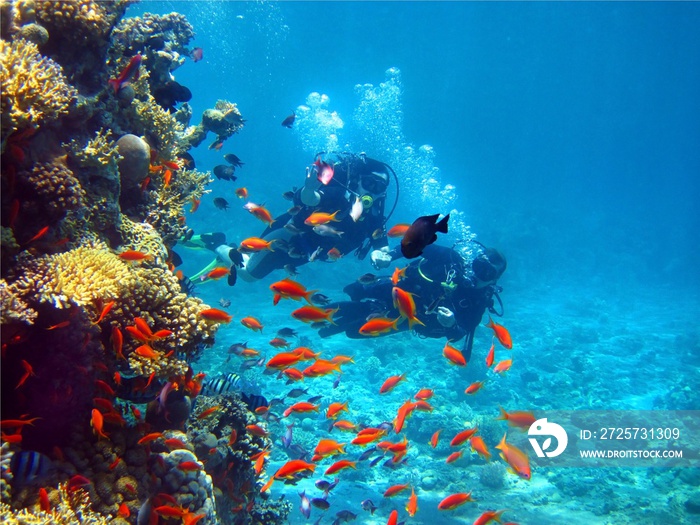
(287, 437)
(305, 506)
(197, 54)
(163, 396)
(337, 381)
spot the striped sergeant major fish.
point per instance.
(29, 466)
(222, 385)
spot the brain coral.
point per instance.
(34, 89)
(55, 187)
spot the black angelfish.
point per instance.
(422, 233)
(289, 121)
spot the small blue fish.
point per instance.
(305, 506)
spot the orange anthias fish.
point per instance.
(313, 314)
(434, 439)
(391, 383)
(453, 457)
(28, 371)
(516, 458)
(292, 467)
(283, 360)
(518, 419)
(329, 447)
(501, 333)
(489, 516)
(462, 436)
(379, 325)
(490, 356)
(340, 465)
(216, 315)
(293, 374)
(117, 342)
(195, 204)
(424, 394)
(503, 366)
(399, 273)
(279, 342)
(301, 407)
(475, 387)
(252, 323)
(321, 367)
(453, 355)
(336, 408)
(134, 255)
(255, 244)
(209, 411)
(97, 423)
(319, 218)
(189, 466)
(394, 490)
(404, 303)
(217, 273)
(412, 505)
(260, 212)
(398, 230)
(479, 446)
(290, 289)
(104, 312)
(242, 193)
(455, 500)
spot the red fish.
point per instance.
(340, 465)
(398, 230)
(394, 490)
(489, 516)
(479, 446)
(134, 255)
(516, 458)
(129, 73)
(412, 505)
(434, 439)
(148, 438)
(242, 193)
(44, 503)
(189, 466)
(379, 325)
(97, 422)
(475, 387)
(453, 355)
(391, 383)
(302, 407)
(292, 467)
(319, 218)
(312, 314)
(404, 303)
(209, 411)
(216, 315)
(104, 312)
(455, 500)
(195, 204)
(39, 235)
(252, 323)
(117, 342)
(491, 354)
(424, 394)
(503, 366)
(28, 371)
(290, 289)
(217, 273)
(501, 333)
(519, 419)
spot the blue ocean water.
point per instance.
(565, 134)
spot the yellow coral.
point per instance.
(80, 276)
(73, 507)
(153, 119)
(82, 20)
(34, 89)
(100, 151)
(142, 237)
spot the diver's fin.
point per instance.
(233, 276)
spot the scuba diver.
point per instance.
(352, 188)
(451, 295)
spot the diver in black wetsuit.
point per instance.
(451, 296)
(357, 181)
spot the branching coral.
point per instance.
(167, 203)
(34, 90)
(154, 122)
(82, 21)
(73, 507)
(12, 308)
(83, 276)
(99, 153)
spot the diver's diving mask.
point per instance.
(374, 182)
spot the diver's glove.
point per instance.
(309, 195)
(380, 258)
(446, 317)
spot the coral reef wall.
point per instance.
(98, 332)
